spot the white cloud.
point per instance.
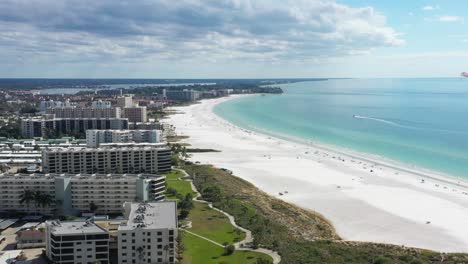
(450, 19)
(142, 30)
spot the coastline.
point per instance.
(388, 205)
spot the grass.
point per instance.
(200, 251)
(213, 225)
(298, 235)
(174, 175)
(182, 187)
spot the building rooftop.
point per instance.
(75, 227)
(126, 148)
(38, 176)
(153, 215)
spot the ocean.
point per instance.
(417, 122)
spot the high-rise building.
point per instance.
(76, 242)
(125, 102)
(96, 137)
(89, 112)
(149, 236)
(72, 194)
(107, 160)
(44, 105)
(101, 104)
(57, 127)
(183, 95)
(135, 114)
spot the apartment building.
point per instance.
(135, 114)
(73, 194)
(96, 137)
(88, 112)
(125, 101)
(149, 236)
(76, 242)
(156, 159)
(101, 104)
(56, 127)
(183, 95)
(44, 105)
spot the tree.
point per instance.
(27, 197)
(184, 213)
(229, 249)
(43, 199)
(93, 207)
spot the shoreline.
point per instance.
(400, 208)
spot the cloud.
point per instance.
(450, 19)
(430, 8)
(145, 30)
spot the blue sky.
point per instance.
(232, 38)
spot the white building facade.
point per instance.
(73, 194)
(149, 236)
(76, 242)
(96, 137)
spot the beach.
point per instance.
(366, 198)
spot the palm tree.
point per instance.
(43, 200)
(27, 197)
(93, 207)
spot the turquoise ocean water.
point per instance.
(421, 122)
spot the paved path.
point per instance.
(241, 245)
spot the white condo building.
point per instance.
(89, 112)
(149, 236)
(96, 137)
(76, 242)
(154, 159)
(73, 194)
(101, 104)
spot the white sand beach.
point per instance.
(366, 198)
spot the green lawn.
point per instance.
(173, 175)
(213, 225)
(200, 251)
(182, 187)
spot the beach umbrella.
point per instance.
(464, 74)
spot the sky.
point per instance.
(233, 38)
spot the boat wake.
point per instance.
(392, 123)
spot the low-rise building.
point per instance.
(71, 194)
(149, 236)
(76, 242)
(105, 160)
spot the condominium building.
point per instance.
(44, 105)
(183, 95)
(149, 236)
(57, 127)
(135, 114)
(155, 159)
(89, 112)
(73, 194)
(96, 137)
(76, 242)
(101, 104)
(125, 102)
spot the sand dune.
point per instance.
(366, 198)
